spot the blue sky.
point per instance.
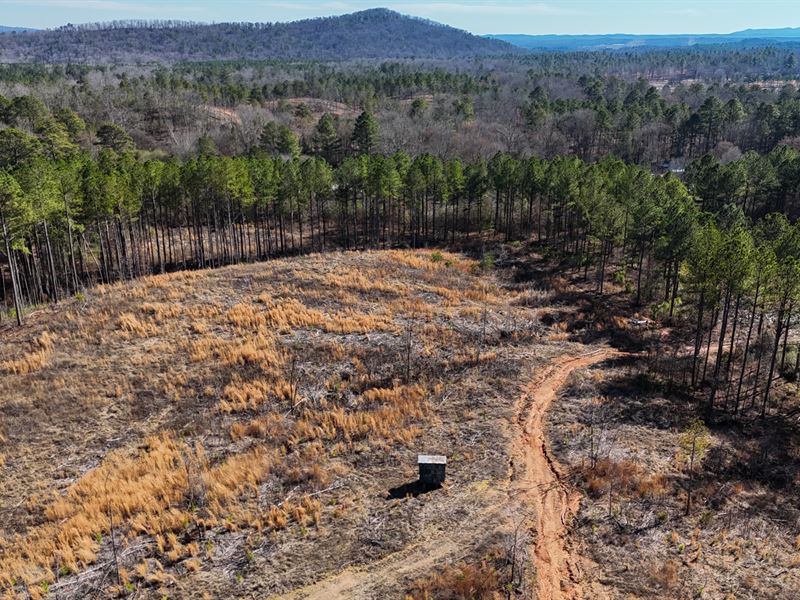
(478, 16)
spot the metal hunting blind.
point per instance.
(431, 469)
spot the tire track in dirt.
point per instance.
(412, 561)
(360, 582)
(542, 482)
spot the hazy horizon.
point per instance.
(562, 17)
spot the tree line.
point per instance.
(80, 207)
(78, 220)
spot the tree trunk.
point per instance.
(698, 340)
(14, 279)
(747, 346)
(720, 347)
(773, 358)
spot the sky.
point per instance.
(477, 16)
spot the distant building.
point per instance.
(675, 166)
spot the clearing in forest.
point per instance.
(239, 430)
(252, 431)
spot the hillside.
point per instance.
(244, 429)
(252, 431)
(375, 33)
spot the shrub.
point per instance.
(480, 581)
(665, 576)
(487, 262)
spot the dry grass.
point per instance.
(634, 516)
(534, 298)
(665, 576)
(137, 488)
(381, 281)
(621, 477)
(433, 261)
(234, 398)
(240, 396)
(161, 311)
(30, 362)
(386, 420)
(291, 314)
(159, 491)
(246, 317)
(258, 350)
(484, 580)
(132, 326)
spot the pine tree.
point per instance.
(114, 137)
(325, 141)
(694, 442)
(365, 133)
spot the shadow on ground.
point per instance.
(414, 489)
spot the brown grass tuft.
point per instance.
(292, 314)
(161, 311)
(131, 326)
(256, 350)
(480, 581)
(245, 317)
(38, 357)
(395, 408)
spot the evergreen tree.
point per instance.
(325, 141)
(365, 133)
(114, 137)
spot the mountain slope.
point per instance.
(7, 29)
(625, 40)
(375, 33)
(782, 33)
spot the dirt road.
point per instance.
(542, 482)
(538, 487)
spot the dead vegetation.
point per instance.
(239, 431)
(466, 581)
(185, 428)
(31, 361)
(637, 454)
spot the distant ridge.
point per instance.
(7, 29)
(625, 40)
(375, 33)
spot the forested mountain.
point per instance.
(375, 33)
(747, 37)
(7, 29)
